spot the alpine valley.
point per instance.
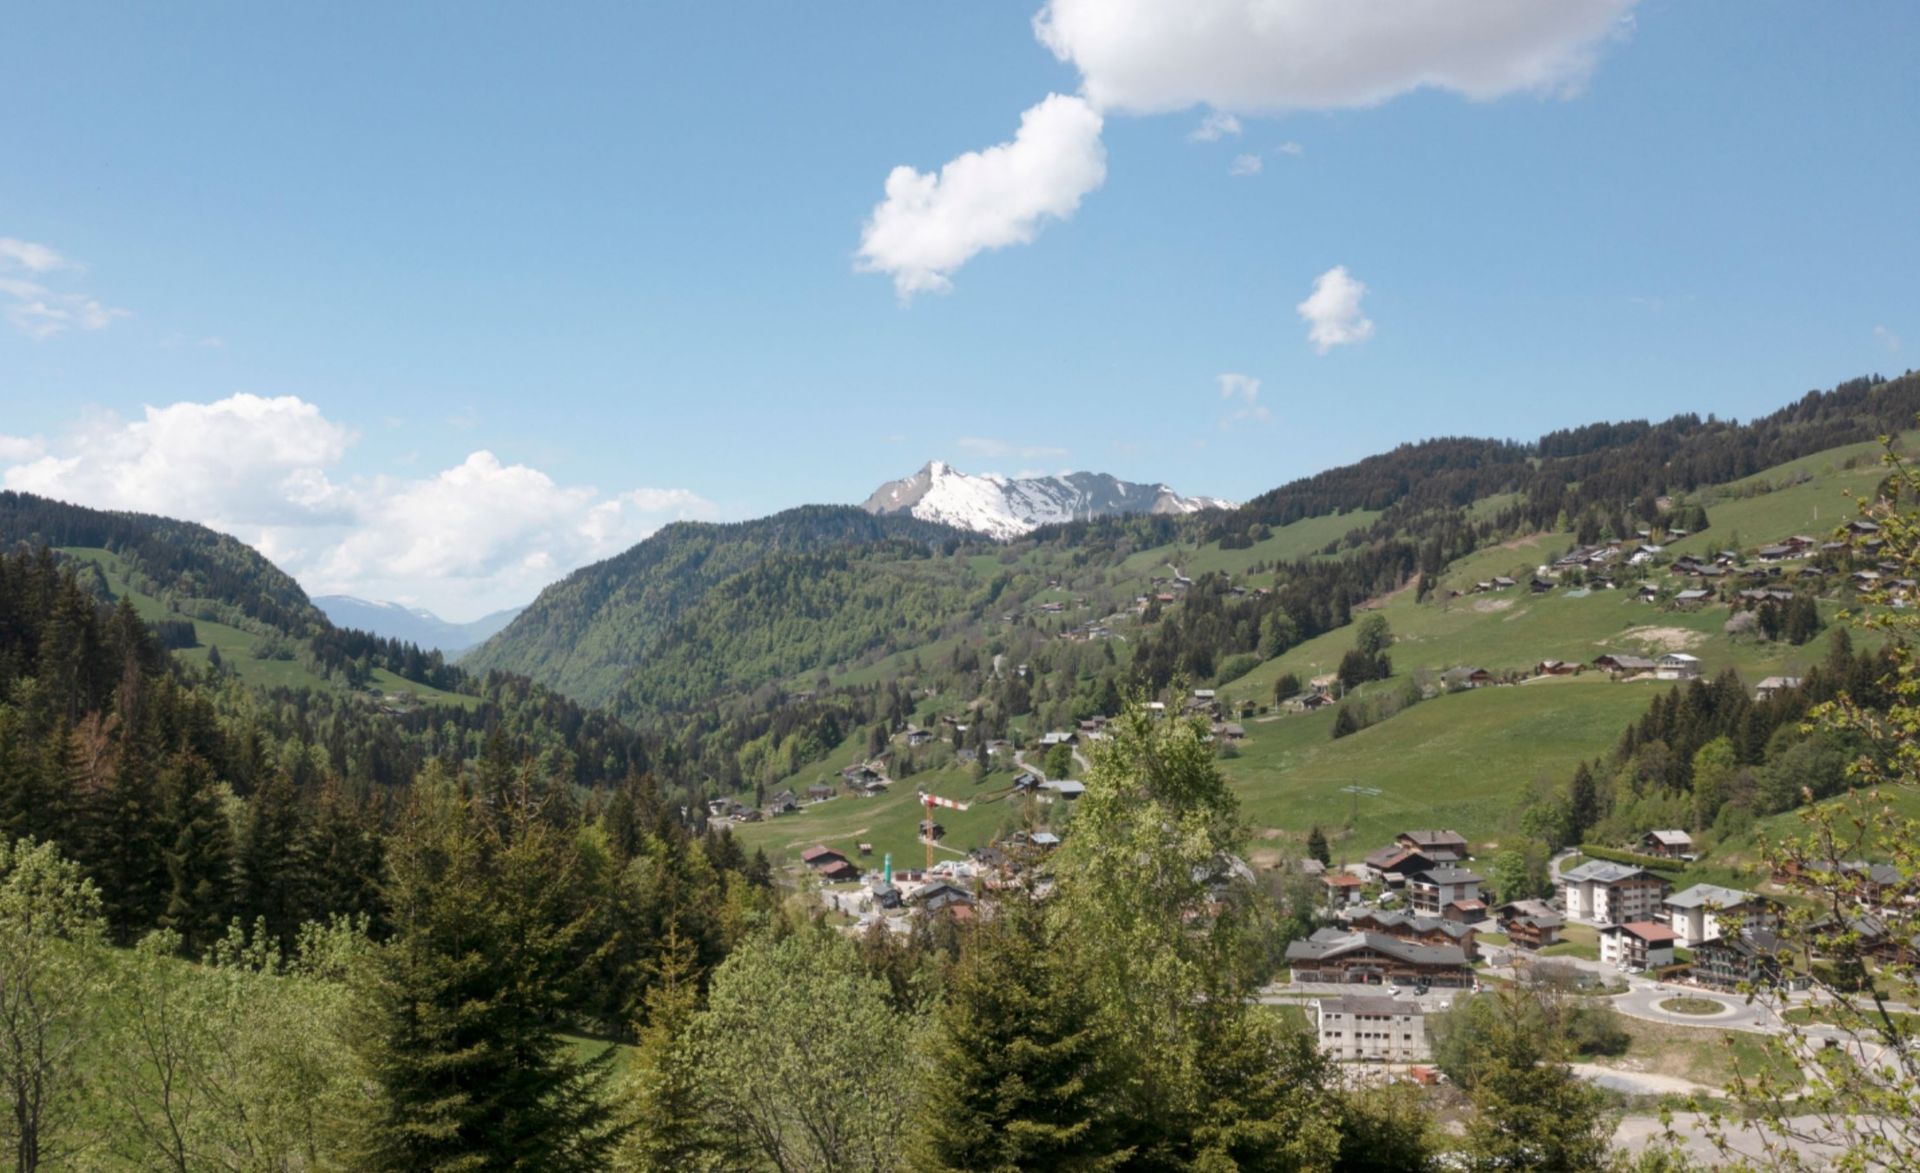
(700, 735)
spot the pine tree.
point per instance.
(197, 845)
(1317, 846)
(671, 1132)
(1019, 1082)
(269, 883)
(1583, 803)
(1344, 722)
(1530, 1110)
(120, 845)
(456, 1034)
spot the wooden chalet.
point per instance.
(1359, 957)
(1438, 846)
(1530, 924)
(1420, 930)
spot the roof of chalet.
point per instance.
(1388, 919)
(1390, 855)
(1646, 930)
(1333, 943)
(1623, 660)
(1747, 943)
(1702, 895)
(1600, 871)
(1435, 838)
(1438, 876)
(1533, 908)
(1672, 838)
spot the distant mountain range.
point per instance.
(1007, 507)
(413, 625)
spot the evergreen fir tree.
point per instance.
(197, 845)
(268, 876)
(1016, 1057)
(1317, 846)
(456, 1034)
(120, 844)
(1583, 803)
(671, 1133)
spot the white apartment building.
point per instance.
(1601, 893)
(1370, 1028)
(1696, 914)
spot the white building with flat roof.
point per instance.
(1372, 1028)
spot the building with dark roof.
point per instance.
(1335, 955)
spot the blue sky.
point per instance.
(615, 247)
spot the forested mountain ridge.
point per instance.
(1599, 469)
(182, 559)
(585, 634)
(649, 631)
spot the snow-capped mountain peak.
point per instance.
(1007, 507)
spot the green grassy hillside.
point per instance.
(1456, 760)
(237, 645)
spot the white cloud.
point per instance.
(1887, 337)
(1332, 311)
(991, 449)
(1290, 148)
(36, 308)
(243, 460)
(1246, 165)
(929, 225)
(467, 540)
(15, 449)
(1245, 391)
(1237, 57)
(34, 258)
(1218, 124)
(1266, 56)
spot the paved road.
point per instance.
(1641, 1083)
(1639, 1132)
(1643, 999)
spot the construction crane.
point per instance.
(926, 826)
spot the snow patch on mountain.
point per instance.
(1007, 507)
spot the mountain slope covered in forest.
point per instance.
(653, 629)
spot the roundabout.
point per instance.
(1695, 1007)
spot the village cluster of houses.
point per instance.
(1597, 568)
(1731, 933)
(1434, 942)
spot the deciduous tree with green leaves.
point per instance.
(1152, 888)
(50, 927)
(804, 1064)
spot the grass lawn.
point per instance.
(1576, 940)
(891, 822)
(1703, 1055)
(584, 1047)
(1692, 1006)
(1288, 1013)
(1454, 761)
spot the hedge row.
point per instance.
(1634, 858)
